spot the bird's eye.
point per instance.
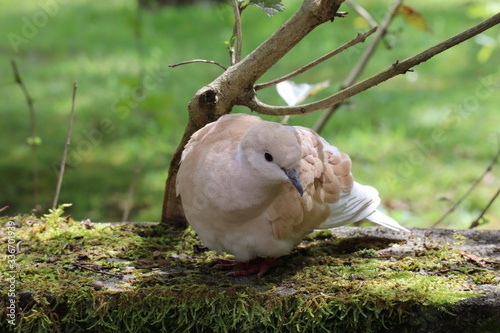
(268, 157)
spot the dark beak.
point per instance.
(294, 178)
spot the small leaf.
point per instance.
(34, 141)
(413, 18)
(271, 7)
(483, 220)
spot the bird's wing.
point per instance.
(331, 196)
(325, 173)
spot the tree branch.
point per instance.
(466, 194)
(66, 146)
(236, 56)
(33, 140)
(360, 66)
(373, 44)
(197, 60)
(396, 68)
(367, 16)
(476, 223)
(360, 38)
(362, 12)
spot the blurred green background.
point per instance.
(420, 139)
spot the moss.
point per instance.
(74, 276)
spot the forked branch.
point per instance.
(466, 194)
(362, 62)
(360, 38)
(396, 68)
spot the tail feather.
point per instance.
(386, 221)
(359, 204)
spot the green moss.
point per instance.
(74, 276)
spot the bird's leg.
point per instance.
(226, 264)
(258, 265)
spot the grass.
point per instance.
(421, 139)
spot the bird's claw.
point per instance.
(258, 265)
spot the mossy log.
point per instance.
(81, 277)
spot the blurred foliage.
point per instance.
(421, 139)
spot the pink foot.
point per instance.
(258, 265)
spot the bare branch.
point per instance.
(66, 146)
(367, 16)
(362, 12)
(236, 56)
(475, 223)
(131, 191)
(197, 60)
(396, 68)
(360, 38)
(466, 194)
(360, 66)
(373, 44)
(473, 186)
(33, 138)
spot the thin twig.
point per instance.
(33, 142)
(475, 223)
(466, 194)
(373, 44)
(66, 146)
(4, 208)
(197, 60)
(397, 68)
(371, 21)
(360, 66)
(97, 270)
(362, 12)
(478, 261)
(131, 192)
(358, 39)
(236, 56)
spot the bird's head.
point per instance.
(273, 153)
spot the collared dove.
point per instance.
(254, 189)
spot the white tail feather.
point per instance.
(386, 221)
(359, 204)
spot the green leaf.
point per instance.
(483, 220)
(34, 141)
(271, 7)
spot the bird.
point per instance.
(254, 189)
